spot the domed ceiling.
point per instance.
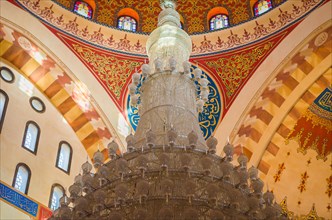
(193, 12)
(232, 58)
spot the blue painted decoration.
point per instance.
(208, 119)
(18, 200)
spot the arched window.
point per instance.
(218, 22)
(22, 178)
(57, 192)
(128, 19)
(127, 23)
(83, 8)
(31, 136)
(63, 160)
(3, 107)
(262, 6)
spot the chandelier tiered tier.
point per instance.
(169, 171)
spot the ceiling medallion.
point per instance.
(321, 39)
(24, 43)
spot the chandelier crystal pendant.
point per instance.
(169, 171)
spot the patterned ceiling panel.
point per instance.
(230, 71)
(305, 178)
(194, 12)
(302, 175)
(112, 70)
(315, 126)
(233, 69)
(59, 18)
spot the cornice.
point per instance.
(60, 19)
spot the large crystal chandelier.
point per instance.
(169, 171)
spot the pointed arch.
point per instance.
(22, 176)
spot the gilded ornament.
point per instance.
(285, 211)
(239, 14)
(328, 191)
(281, 168)
(313, 129)
(312, 215)
(65, 3)
(148, 10)
(113, 71)
(303, 182)
(235, 69)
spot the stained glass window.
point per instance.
(3, 107)
(64, 157)
(218, 22)
(127, 23)
(262, 6)
(22, 178)
(57, 192)
(31, 137)
(83, 8)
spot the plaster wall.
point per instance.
(64, 57)
(53, 128)
(8, 212)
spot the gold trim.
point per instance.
(21, 210)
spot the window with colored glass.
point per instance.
(83, 8)
(218, 22)
(127, 23)
(262, 6)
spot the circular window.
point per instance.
(37, 104)
(6, 74)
